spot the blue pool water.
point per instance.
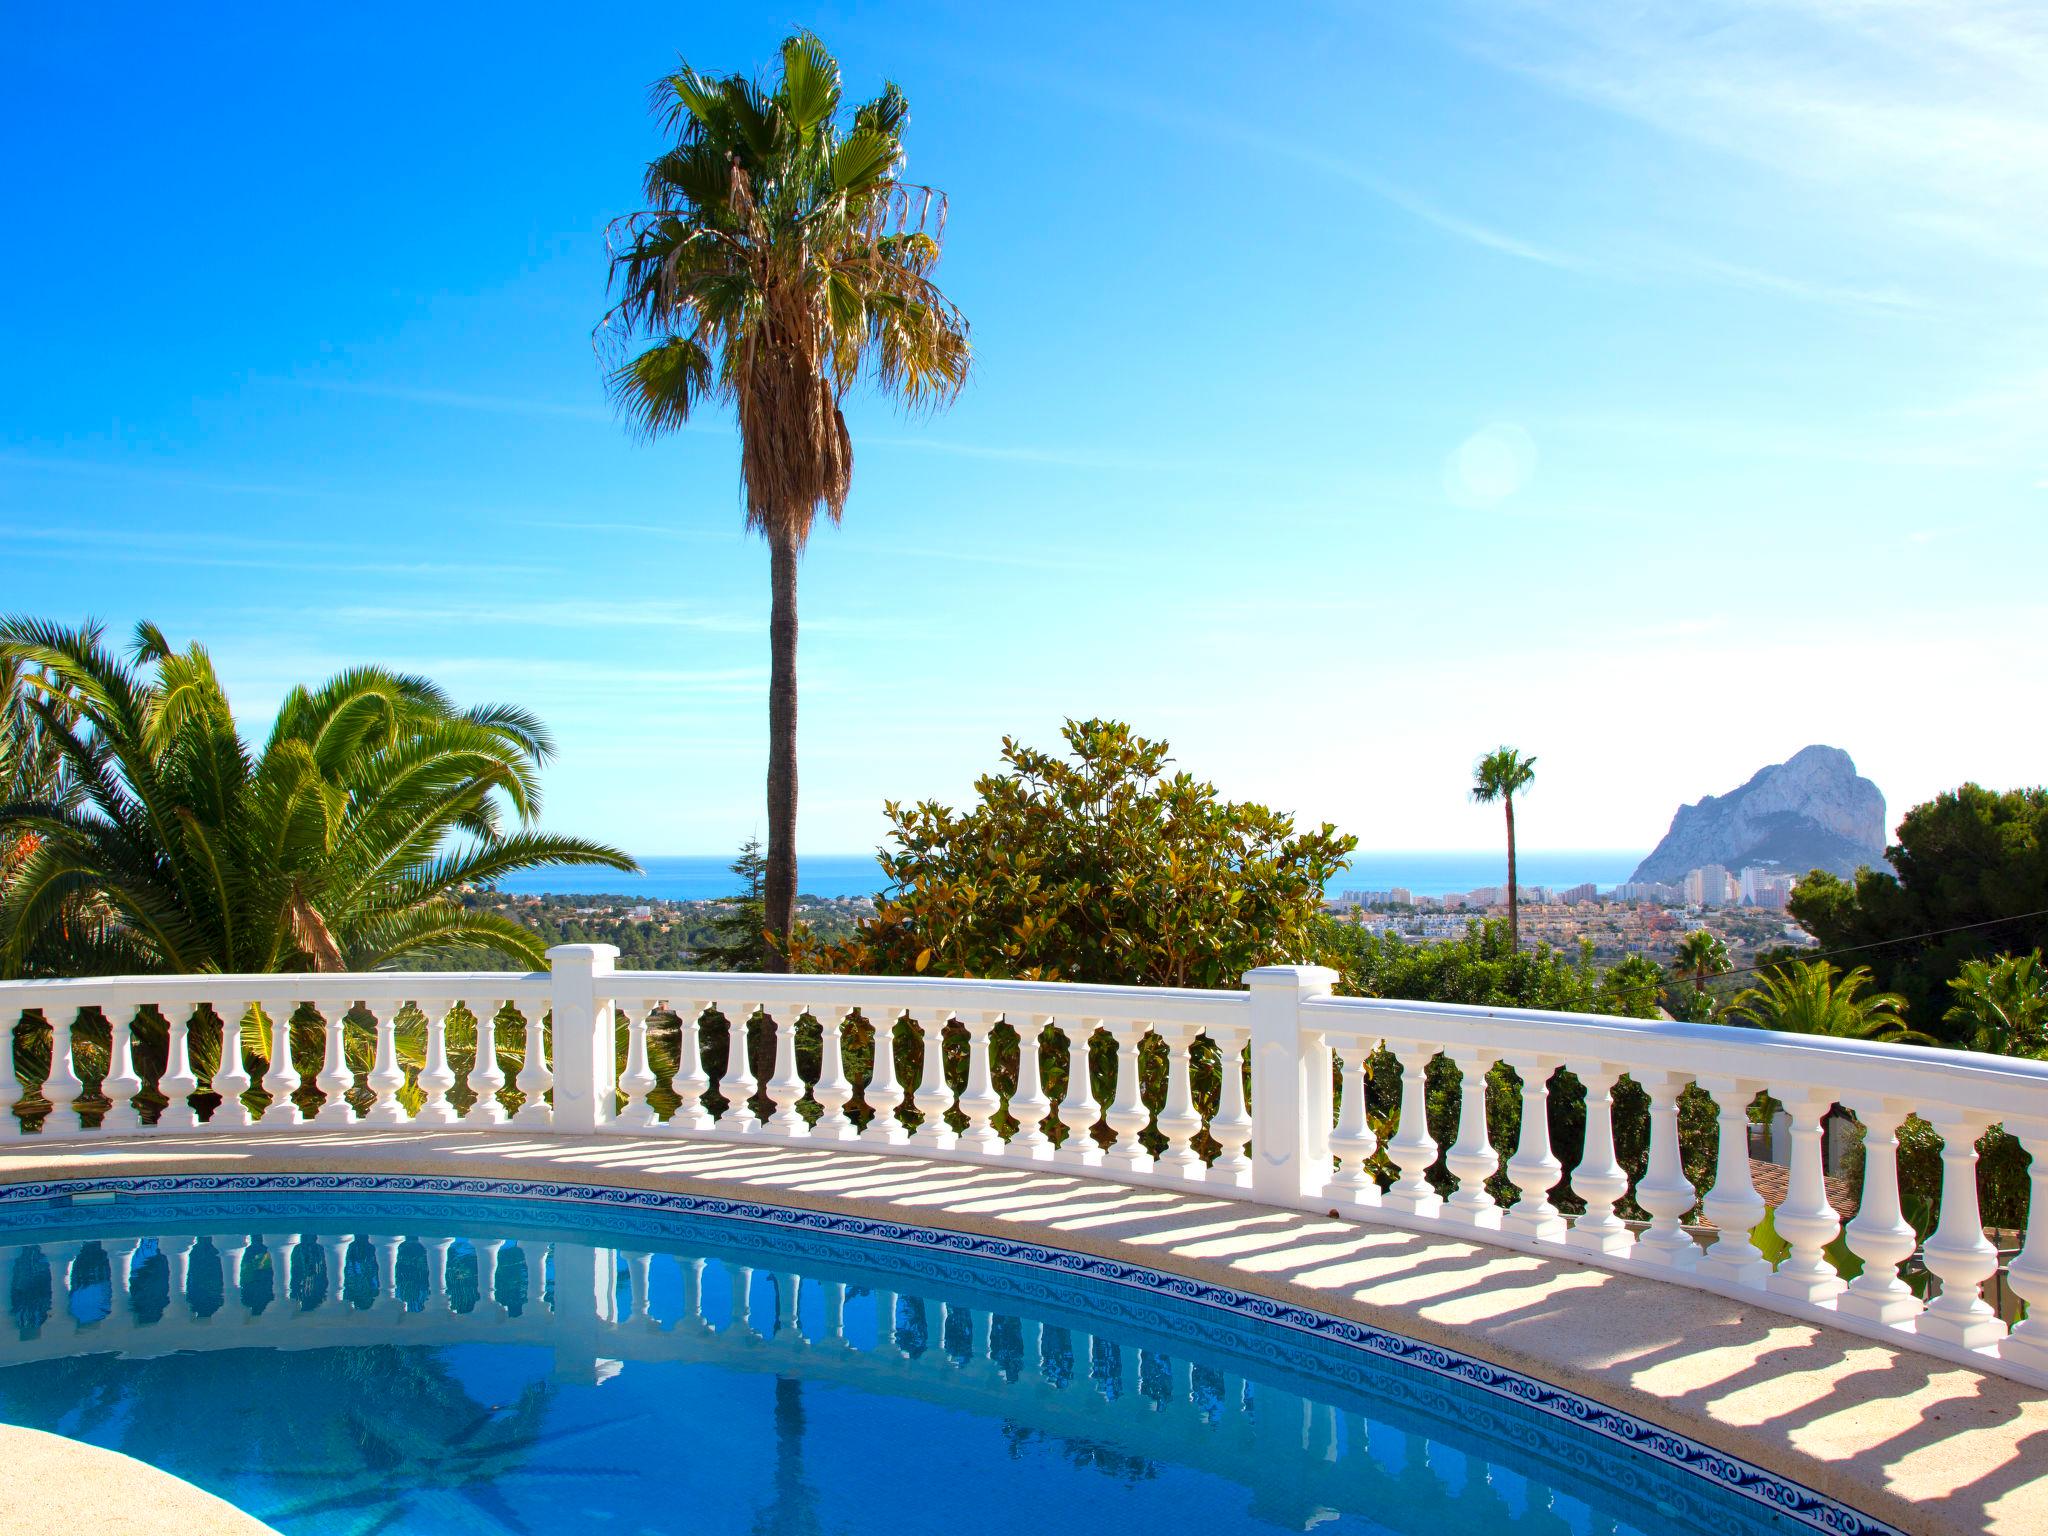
(415, 1362)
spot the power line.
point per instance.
(1904, 938)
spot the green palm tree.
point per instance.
(1810, 997)
(2002, 1005)
(781, 260)
(341, 845)
(1499, 776)
(1701, 954)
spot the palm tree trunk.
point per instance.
(1514, 901)
(778, 891)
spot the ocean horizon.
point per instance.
(708, 877)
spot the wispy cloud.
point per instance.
(188, 547)
(557, 614)
(459, 400)
(152, 474)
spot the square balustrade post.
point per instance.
(1290, 1109)
(586, 1055)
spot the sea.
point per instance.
(708, 876)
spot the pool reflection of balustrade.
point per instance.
(1288, 1125)
(599, 1317)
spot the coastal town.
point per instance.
(1745, 908)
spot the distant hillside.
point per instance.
(1812, 812)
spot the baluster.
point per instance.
(1959, 1254)
(981, 1101)
(1880, 1235)
(232, 1249)
(179, 1081)
(1353, 1142)
(281, 1248)
(1231, 1130)
(62, 1087)
(638, 1080)
(1029, 1105)
(336, 1245)
(486, 1077)
(386, 1075)
(833, 1089)
(1128, 1115)
(1411, 1147)
(2027, 1274)
(1472, 1159)
(691, 1272)
(10, 1085)
(281, 1078)
(832, 1329)
(335, 1079)
(885, 1325)
(122, 1082)
(1534, 1169)
(534, 1078)
(1599, 1179)
(486, 1249)
(436, 1076)
(63, 1261)
(786, 1087)
(1078, 1110)
(1179, 1121)
(386, 1249)
(1733, 1205)
(738, 1084)
(120, 1253)
(934, 1095)
(1664, 1190)
(742, 1280)
(639, 1276)
(883, 1092)
(691, 1081)
(177, 1252)
(231, 1078)
(1806, 1221)
(438, 1299)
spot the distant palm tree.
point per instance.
(1701, 954)
(782, 259)
(1500, 774)
(2003, 1005)
(341, 845)
(1810, 997)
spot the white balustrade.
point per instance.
(486, 1077)
(281, 1078)
(1029, 1105)
(884, 1093)
(231, 1078)
(179, 1082)
(121, 1083)
(738, 1085)
(833, 1090)
(934, 1094)
(1079, 1110)
(1287, 1140)
(436, 1077)
(638, 1080)
(387, 1076)
(1128, 1115)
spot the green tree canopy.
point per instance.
(1810, 997)
(1487, 968)
(1098, 866)
(338, 846)
(1972, 859)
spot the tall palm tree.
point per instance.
(782, 259)
(1810, 997)
(340, 846)
(1701, 954)
(1499, 776)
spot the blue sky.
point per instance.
(1657, 388)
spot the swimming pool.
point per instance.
(341, 1353)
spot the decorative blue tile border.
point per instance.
(1798, 1502)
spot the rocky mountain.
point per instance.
(1811, 812)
